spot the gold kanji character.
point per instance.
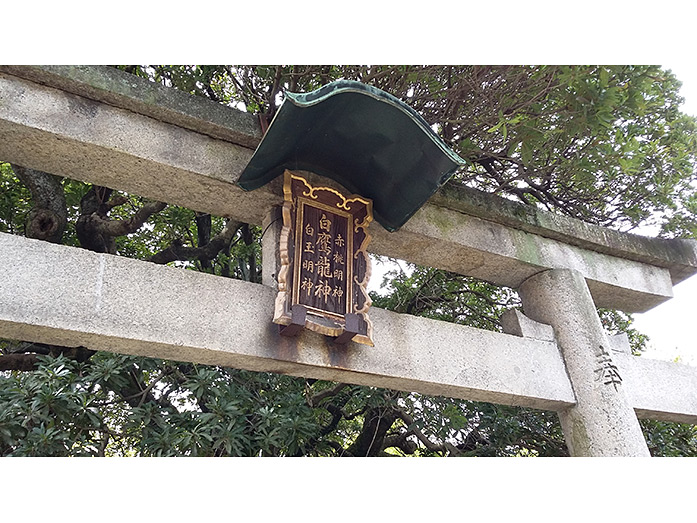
(338, 258)
(323, 240)
(309, 265)
(339, 241)
(307, 285)
(339, 274)
(309, 248)
(323, 289)
(309, 230)
(324, 223)
(338, 292)
(323, 268)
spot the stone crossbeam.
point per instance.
(152, 147)
(660, 390)
(73, 297)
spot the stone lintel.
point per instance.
(109, 85)
(660, 390)
(80, 138)
(679, 256)
(73, 297)
(127, 91)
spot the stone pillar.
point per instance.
(270, 241)
(602, 423)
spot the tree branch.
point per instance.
(22, 362)
(177, 251)
(123, 227)
(96, 231)
(154, 382)
(402, 442)
(203, 232)
(370, 441)
(317, 398)
(25, 356)
(433, 447)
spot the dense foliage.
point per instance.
(608, 145)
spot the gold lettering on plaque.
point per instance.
(326, 267)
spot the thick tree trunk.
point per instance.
(92, 207)
(49, 215)
(203, 228)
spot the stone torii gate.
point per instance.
(103, 126)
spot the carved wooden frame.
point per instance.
(356, 324)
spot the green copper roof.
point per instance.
(363, 138)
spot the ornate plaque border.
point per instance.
(323, 322)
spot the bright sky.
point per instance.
(670, 324)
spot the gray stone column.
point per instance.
(602, 423)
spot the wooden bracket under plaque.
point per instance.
(297, 322)
(325, 267)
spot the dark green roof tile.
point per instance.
(361, 137)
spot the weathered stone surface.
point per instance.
(120, 89)
(71, 297)
(123, 90)
(515, 322)
(660, 390)
(602, 423)
(620, 343)
(679, 256)
(77, 137)
(464, 244)
(657, 390)
(86, 140)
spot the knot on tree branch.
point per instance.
(44, 224)
(49, 214)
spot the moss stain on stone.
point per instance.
(580, 441)
(440, 220)
(527, 249)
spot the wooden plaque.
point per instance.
(324, 264)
